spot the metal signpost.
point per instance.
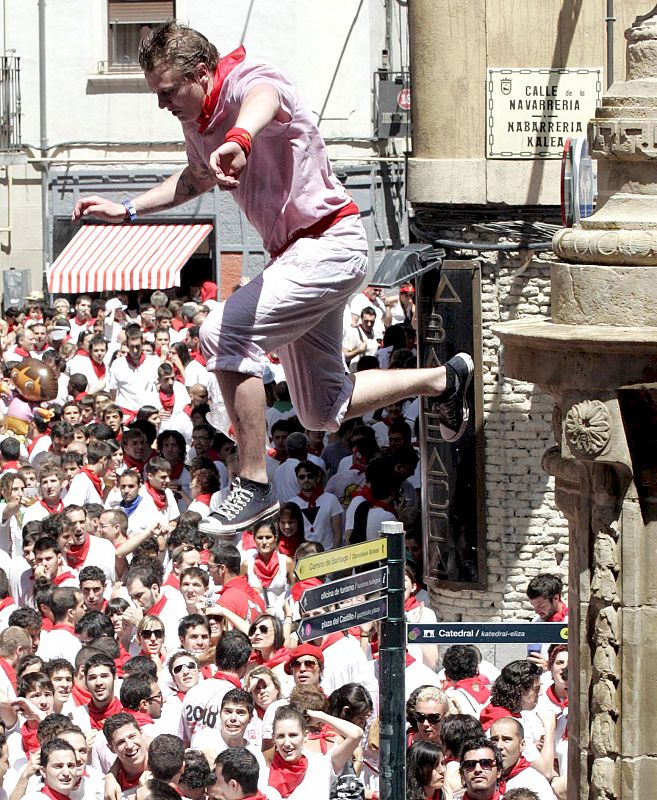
(344, 613)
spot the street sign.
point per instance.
(341, 619)
(489, 633)
(375, 580)
(355, 555)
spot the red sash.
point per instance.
(286, 777)
(265, 571)
(156, 609)
(159, 498)
(225, 65)
(520, 766)
(98, 715)
(78, 553)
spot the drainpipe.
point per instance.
(43, 134)
(610, 19)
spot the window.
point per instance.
(129, 22)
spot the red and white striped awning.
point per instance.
(112, 258)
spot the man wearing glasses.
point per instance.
(481, 767)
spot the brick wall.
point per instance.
(526, 532)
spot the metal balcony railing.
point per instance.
(10, 103)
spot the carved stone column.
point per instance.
(598, 356)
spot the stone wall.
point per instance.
(526, 532)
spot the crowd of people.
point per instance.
(143, 656)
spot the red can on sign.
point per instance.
(404, 99)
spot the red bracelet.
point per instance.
(243, 139)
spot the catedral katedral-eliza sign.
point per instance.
(531, 112)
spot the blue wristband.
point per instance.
(131, 211)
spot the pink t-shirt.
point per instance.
(287, 184)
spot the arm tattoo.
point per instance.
(190, 185)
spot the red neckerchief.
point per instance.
(81, 697)
(276, 454)
(225, 676)
(248, 542)
(11, 465)
(490, 713)
(119, 662)
(204, 498)
(95, 480)
(64, 626)
(135, 364)
(47, 625)
(172, 580)
(366, 492)
(78, 553)
(198, 357)
(266, 571)
(124, 780)
(30, 739)
(56, 509)
(206, 671)
(167, 400)
(156, 609)
(286, 777)
(140, 716)
(98, 716)
(99, 369)
(332, 638)
(53, 794)
(7, 601)
(559, 616)
(300, 587)
(411, 603)
(552, 697)
(325, 736)
(520, 766)
(19, 351)
(187, 410)
(59, 579)
(31, 445)
(77, 397)
(159, 497)
(311, 499)
(133, 463)
(476, 687)
(9, 671)
(287, 545)
(176, 470)
(181, 696)
(315, 451)
(279, 656)
(224, 66)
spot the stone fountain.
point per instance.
(597, 356)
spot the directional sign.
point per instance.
(355, 555)
(340, 620)
(375, 580)
(489, 632)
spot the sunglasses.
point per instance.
(180, 667)
(484, 763)
(305, 663)
(156, 633)
(432, 719)
(260, 628)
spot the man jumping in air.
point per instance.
(247, 132)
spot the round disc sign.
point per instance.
(404, 99)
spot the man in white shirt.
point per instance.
(133, 377)
(322, 512)
(87, 485)
(508, 734)
(51, 478)
(82, 319)
(67, 606)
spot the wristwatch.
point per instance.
(130, 210)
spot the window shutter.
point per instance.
(140, 12)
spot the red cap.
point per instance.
(304, 650)
(407, 288)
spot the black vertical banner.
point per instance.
(453, 489)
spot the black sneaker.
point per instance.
(246, 504)
(453, 413)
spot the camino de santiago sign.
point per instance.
(532, 112)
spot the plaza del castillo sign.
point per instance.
(532, 111)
